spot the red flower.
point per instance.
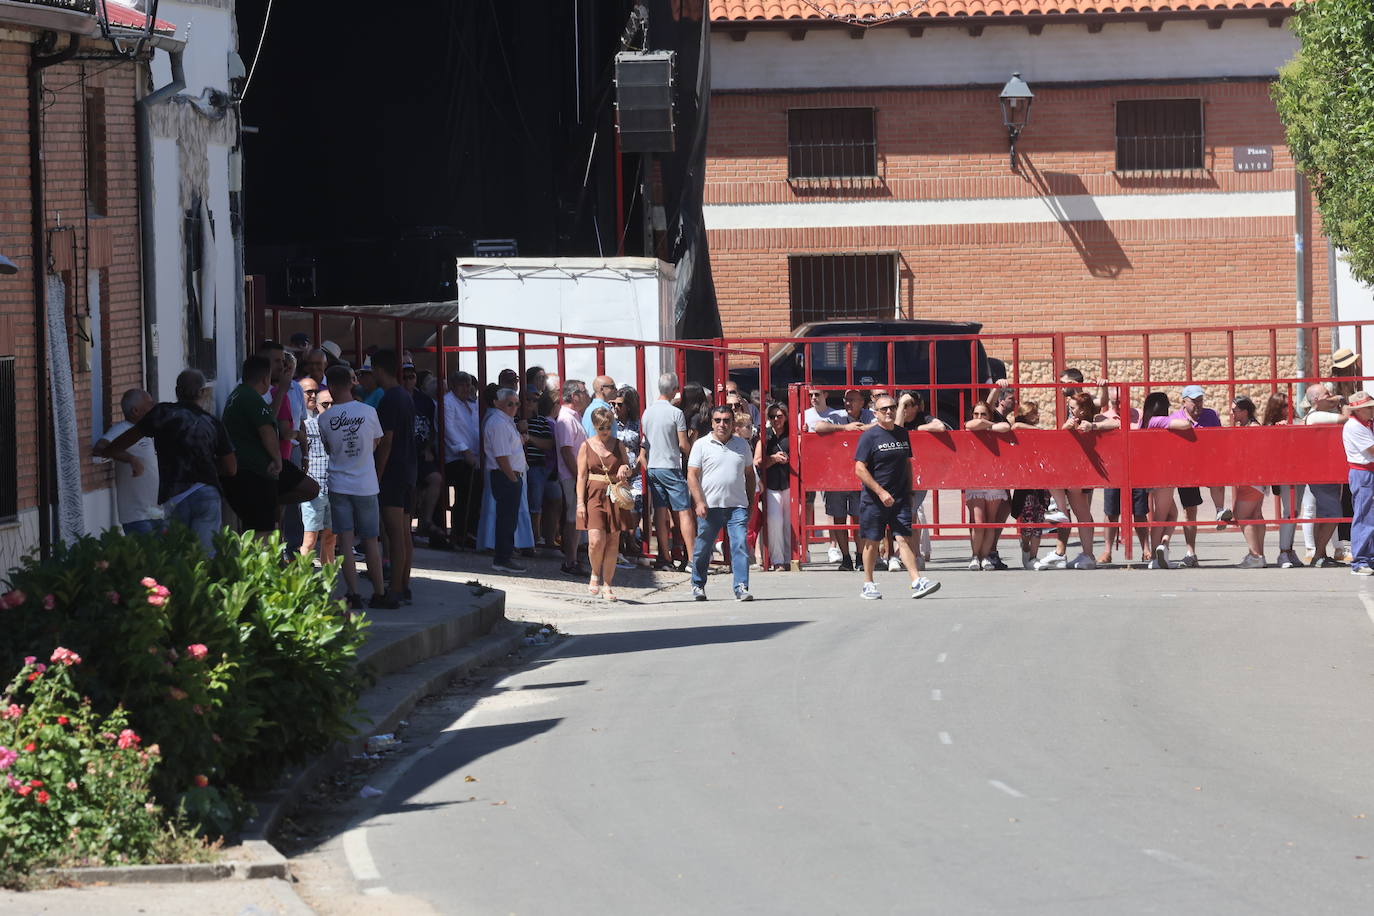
(62, 720)
(42, 797)
(65, 656)
(24, 791)
(49, 602)
(36, 783)
(127, 739)
(30, 747)
(196, 650)
(201, 780)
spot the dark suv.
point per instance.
(956, 363)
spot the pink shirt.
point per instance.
(567, 430)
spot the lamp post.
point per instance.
(1016, 101)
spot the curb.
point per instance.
(263, 861)
(392, 699)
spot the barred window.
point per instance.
(825, 286)
(1158, 135)
(9, 432)
(832, 143)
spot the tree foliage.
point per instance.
(1325, 96)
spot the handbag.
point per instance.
(620, 494)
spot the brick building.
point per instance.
(71, 317)
(858, 165)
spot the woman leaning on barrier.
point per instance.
(1163, 507)
(1276, 413)
(913, 417)
(984, 506)
(1249, 501)
(1028, 506)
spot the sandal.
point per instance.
(594, 586)
(608, 594)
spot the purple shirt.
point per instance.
(1206, 417)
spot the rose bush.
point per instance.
(74, 784)
(235, 666)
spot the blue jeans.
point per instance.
(1362, 524)
(736, 522)
(506, 494)
(201, 513)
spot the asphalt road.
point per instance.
(1117, 741)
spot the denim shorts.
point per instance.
(315, 514)
(540, 486)
(358, 514)
(668, 487)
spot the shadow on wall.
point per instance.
(1080, 219)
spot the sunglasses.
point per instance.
(722, 419)
(887, 408)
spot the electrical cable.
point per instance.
(262, 37)
(501, 46)
(866, 22)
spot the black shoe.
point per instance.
(406, 597)
(438, 542)
(527, 552)
(384, 601)
(847, 564)
(355, 602)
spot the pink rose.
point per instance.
(196, 650)
(71, 784)
(148, 582)
(7, 758)
(13, 712)
(113, 597)
(156, 600)
(65, 656)
(49, 602)
(29, 660)
(162, 591)
(128, 739)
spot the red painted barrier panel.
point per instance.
(1034, 458)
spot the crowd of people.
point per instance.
(358, 462)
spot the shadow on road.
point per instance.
(682, 637)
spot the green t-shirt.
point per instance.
(244, 413)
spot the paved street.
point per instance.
(1119, 741)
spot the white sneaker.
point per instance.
(870, 592)
(1288, 559)
(923, 586)
(975, 564)
(894, 564)
(1153, 564)
(1083, 561)
(988, 565)
(1161, 560)
(1053, 561)
(833, 555)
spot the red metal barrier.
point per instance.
(955, 460)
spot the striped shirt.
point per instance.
(541, 427)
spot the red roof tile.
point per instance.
(126, 17)
(884, 10)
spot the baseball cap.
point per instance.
(1193, 392)
(300, 339)
(849, 391)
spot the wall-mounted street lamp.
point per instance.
(1016, 101)
(7, 266)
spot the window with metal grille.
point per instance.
(1158, 135)
(832, 143)
(824, 286)
(9, 465)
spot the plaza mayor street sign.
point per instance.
(1253, 158)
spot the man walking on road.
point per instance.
(882, 462)
(720, 473)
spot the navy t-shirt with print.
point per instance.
(189, 444)
(887, 452)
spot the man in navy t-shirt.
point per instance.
(882, 462)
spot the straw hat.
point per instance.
(1344, 358)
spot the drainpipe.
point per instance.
(1304, 305)
(145, 214)
(40, 286)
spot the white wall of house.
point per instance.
(1354, 301)
(190, 150)
(943, 56)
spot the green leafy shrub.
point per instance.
(75, 783)
(234, 665)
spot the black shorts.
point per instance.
(1189, 497)
(397, 495)
(1140, 502)
(253, 498)
(875, 519)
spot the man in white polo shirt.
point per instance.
(720, 473)
(1359, 454)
